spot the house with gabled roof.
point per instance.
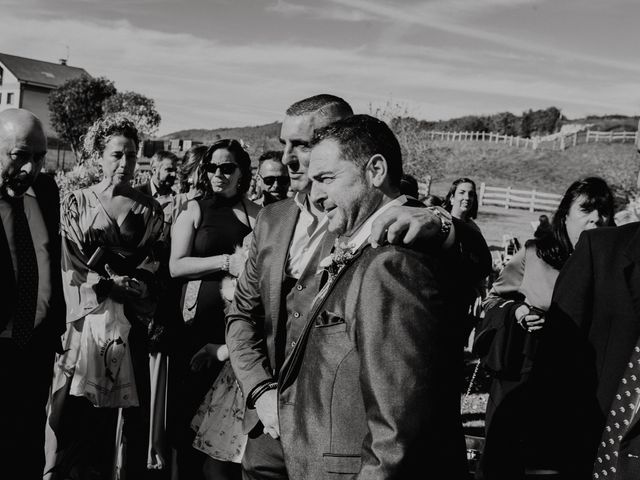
(26, 83)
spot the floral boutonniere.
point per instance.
(340, 257)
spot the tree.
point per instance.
(138, 108)
(75, 105)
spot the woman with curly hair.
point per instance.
(108, 232)
(204, 252)
(513, 329)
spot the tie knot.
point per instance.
(15, 202)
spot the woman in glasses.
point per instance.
(204, 245)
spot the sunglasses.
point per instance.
(282, 180)
(225, 168)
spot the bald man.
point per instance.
(32, 316)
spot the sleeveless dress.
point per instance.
(220, 232)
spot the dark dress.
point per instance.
(219, 233)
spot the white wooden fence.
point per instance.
(531, 200)
(556, 141)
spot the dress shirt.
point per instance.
(40, 238)
(308, 236)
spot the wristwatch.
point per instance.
(445, 224)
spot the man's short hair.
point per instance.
(361, 137)
(275, 155)
(323, 105)
(162, 155)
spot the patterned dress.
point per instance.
(81, 439)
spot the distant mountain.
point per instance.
(259, 138)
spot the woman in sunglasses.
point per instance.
(204, 245)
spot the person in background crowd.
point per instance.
(273, 178)
(274, 293)
(163, 176)
(203, 251)
(108, 234)
(433, 201)
(544, 226)
(462, 201)
(517, 439)
(344, 406)
(409, 186)
(191, 174)
(32, 317)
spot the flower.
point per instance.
(340, 257)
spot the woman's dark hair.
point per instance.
(192, 162)
(240, 156)
(473, 211)
(555, 247)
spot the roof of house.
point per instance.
(38, 72)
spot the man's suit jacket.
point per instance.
(254, 318)
(47, 334)
(593, 327)
(371, 387)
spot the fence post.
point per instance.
(611, 136)
(483, 136)
(482, 185)
(575, 139)
(562, 145)
(506, 203)
(533, 200)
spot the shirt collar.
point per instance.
(29, 193)
(154, 190)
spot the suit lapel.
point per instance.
(632, 272)
(632, 278)
(284, 234)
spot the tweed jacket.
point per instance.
(370, 389)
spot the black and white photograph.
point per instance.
(318, 240)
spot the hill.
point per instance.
(495, 164)
(260, 138)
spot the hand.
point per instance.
(124, 287)
(531, 322)
(404, 224)
(204, 357)
(236, 263)
(267, 410)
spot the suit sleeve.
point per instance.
(402, 339)
(245, 335)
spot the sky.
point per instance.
(229, 63)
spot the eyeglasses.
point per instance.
(282, 180)
(225, 168)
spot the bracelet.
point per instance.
(225, 263)
(257, 392)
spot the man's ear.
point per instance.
(377, 170)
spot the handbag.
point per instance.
(190, 300)
(474, 443)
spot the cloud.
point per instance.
(202, 83)
(442, 15)
(323, 12)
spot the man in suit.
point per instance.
(279, 282)
(33, 311)
(591, 356)
(273, 178)
(369, 389)
(160, 185)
